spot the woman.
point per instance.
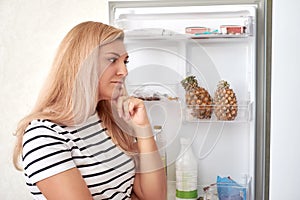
(85, 138)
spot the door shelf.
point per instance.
(243, 109)
(220, 191)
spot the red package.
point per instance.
(232, 29)
(196, 30)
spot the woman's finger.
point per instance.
(124, 91)
(126, 109)
(120, 107)
(131, 108)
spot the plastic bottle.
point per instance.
(186, 172)
(161, 142)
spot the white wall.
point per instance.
(285, 122)
(30, 33)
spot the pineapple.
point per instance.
(225, 102)
(197, 98)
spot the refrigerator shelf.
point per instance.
(219, 36)
(243, 109)
(163, 34)
(221, 191)
(164, 94)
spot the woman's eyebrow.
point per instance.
(113, 53)
(118, 55)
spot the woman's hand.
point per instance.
(132, 110)
(131, 116)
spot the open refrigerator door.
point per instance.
(216, 43)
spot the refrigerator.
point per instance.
(168, 41)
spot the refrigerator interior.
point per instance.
(161, 54)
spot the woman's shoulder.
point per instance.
(45, 150)
(41, 128)
(41, 124)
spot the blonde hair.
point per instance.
(70, 94)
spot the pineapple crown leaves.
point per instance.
(189, 82)
(223, 84)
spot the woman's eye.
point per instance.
(112, 59)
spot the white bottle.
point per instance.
(186, 172)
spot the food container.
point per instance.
(232, 29)
(196, 30)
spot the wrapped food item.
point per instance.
(229, 189)
(148, 94)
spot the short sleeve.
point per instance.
(45, 152)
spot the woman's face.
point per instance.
(113, 70)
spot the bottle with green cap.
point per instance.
(186, 172)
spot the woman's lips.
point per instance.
(120, 82)
(117, 82)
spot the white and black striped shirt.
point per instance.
(49, 149)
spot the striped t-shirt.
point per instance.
(49, 149)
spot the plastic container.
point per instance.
(228, 191)
(186, 172)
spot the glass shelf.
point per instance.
(164, 94)
(244, 113)
(163, 34)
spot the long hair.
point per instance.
(70, 93)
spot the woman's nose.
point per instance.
(122, 69)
